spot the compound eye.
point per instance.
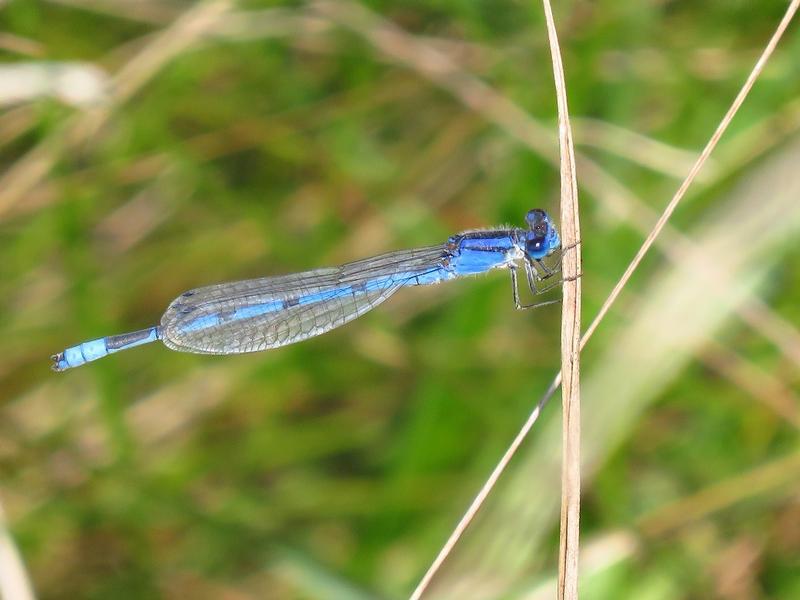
(536, 248)
(535, 217)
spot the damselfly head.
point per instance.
(542, 239)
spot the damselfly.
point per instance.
(259, 314)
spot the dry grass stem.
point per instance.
(570, 334)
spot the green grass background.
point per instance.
(337, 467)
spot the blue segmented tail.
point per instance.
(94, 349)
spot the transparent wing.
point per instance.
(257, 314)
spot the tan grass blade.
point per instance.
(570, 334)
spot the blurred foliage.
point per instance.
(337, 467)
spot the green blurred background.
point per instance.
(228, 140)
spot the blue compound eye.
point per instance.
(536, 247)
(541, 239)
(538, 222)
(536, 218)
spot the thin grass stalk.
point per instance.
(570, 333)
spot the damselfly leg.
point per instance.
(515, 288)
